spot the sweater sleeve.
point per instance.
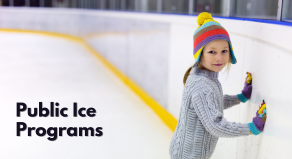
(230, 101)
(206, 107)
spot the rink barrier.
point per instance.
(268, 21)
(162, 113)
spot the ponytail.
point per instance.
(187, 74)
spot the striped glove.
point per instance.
(246, 92)
(258, 123)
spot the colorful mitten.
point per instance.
(247, 89)
(258, 123)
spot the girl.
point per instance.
(201, 121)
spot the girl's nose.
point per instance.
(219, 57)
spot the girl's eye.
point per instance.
(224, 51)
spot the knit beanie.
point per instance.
(208, 31)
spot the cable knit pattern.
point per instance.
(201, 120)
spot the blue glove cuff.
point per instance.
(242, 98)
(253, 129)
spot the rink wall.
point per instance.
(155, 50)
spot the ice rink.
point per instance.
(36, 68)
(43, 59)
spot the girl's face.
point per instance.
(215, 55)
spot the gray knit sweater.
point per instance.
(201, 120)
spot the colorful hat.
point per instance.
(208, 31)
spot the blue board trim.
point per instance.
(232, 18)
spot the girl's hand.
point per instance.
(263, 119)
(247, 89)
(258, 123)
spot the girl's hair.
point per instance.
(200, 66)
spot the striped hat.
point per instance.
(208, 31)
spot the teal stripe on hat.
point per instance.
(206, 25)
(233, 60)
(197, 61)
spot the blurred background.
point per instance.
(127, 59)
(261, 9)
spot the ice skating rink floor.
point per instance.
(37, 68)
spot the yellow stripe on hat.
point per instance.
(231, 45)
(198, 53)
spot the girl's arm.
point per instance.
(230, 101)
(205, 104)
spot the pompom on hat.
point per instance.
(208, 31)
